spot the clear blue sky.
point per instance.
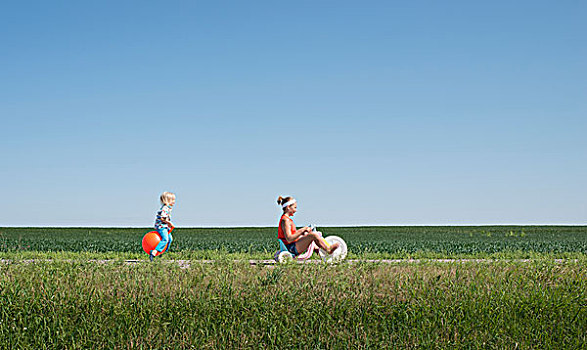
(369, 112)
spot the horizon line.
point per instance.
(273, 226)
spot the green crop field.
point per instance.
(393, 242)
(75, 302)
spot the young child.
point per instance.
(163, 223)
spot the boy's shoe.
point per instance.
(151, 256)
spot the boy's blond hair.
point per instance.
(166, 197)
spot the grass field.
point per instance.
(497, 304)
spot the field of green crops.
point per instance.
(392, 242)
(74, 302)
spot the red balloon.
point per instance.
(150, 242)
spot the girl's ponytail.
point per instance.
(285, 202)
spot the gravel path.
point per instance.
(271, 263)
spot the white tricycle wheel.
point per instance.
(338, 255)
(284, 257)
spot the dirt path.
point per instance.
(271, 263)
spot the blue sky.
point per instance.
(370, 113)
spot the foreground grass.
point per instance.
(79, 305)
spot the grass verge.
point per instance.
(79, 305)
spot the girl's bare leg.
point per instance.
(306, 240)
(303, 243)
(333, 247)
